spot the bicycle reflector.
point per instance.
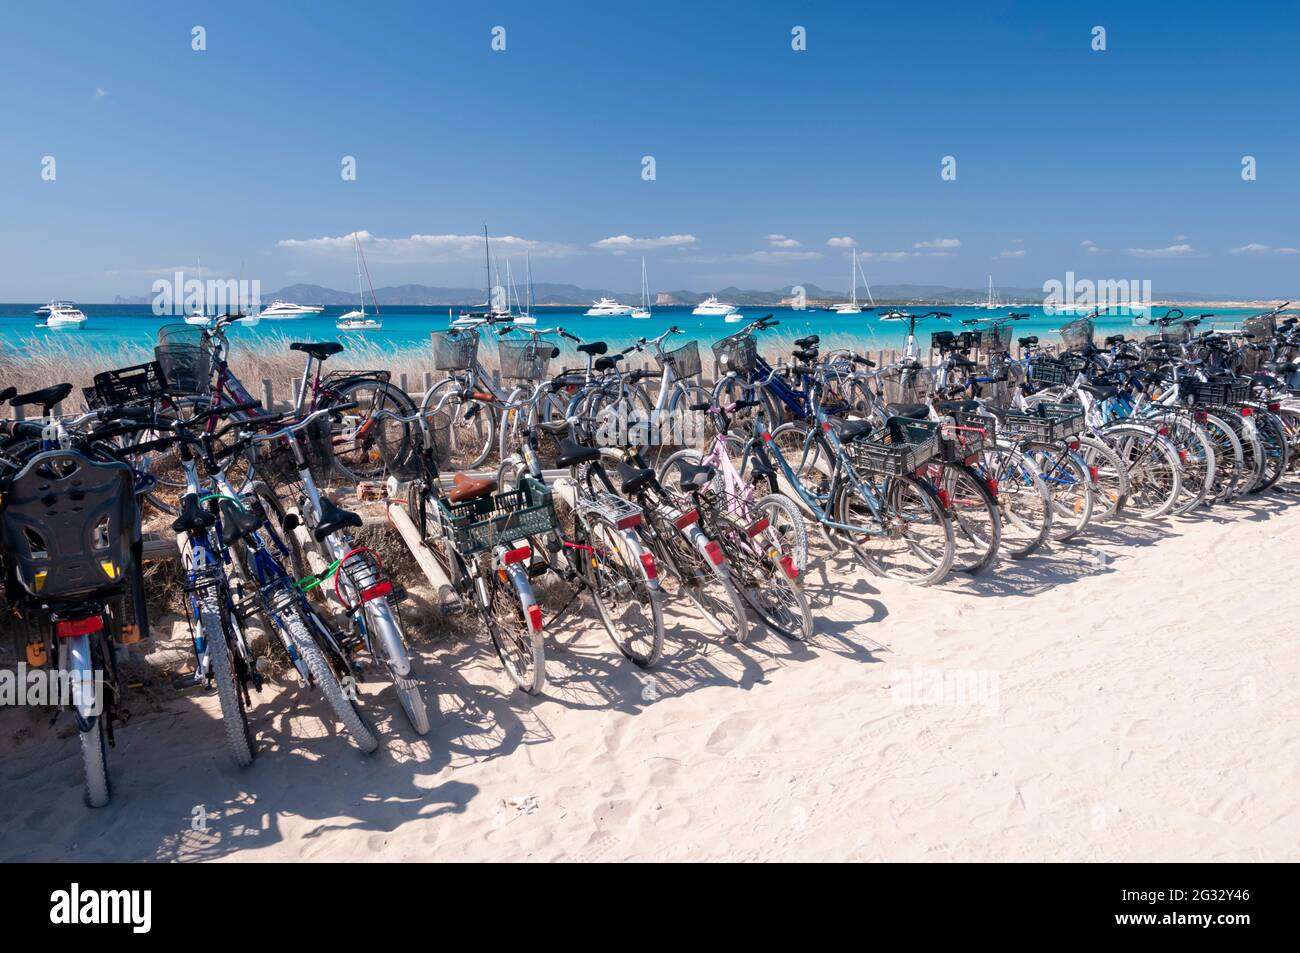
(71, 628)
(535, 617)
(1094, 472)
(648, 563)
(629, 521)
(1274, 406)
(512, 556)
(757, 527)
(1248, 411)
(377, 591)
(715, 552)
(1201, 416)
(787, 564)
(689, 518)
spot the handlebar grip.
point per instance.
(865, 361)
(124, 413)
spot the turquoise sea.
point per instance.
(111, 326)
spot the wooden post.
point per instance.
(401, 521)
(268, 395)
(401, 383)
(428, 381)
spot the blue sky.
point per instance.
(232, 155)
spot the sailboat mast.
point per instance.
(487, 265)
(528, 272)
(361, 294)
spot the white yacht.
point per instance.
(64, 314)
(712, 307)
(607, 307)
(286, 309)
(45, 309)
(357, 319)
(851, 306)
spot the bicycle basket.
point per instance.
(904, 386)
(1078, 333)
(1261, 328)
(1220, 392)
(187, 370)
(1046, 422)
(524, 360)
(685, 359)
(903, 445)
(138, 384)
(996, 337)
(737, 353)
(501, 518)
(455, 349)
(1051, 371)
(969, 434)
(70, 525)
(182, 334)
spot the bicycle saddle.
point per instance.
(594, 348)
(849, 429)
(46, 397)
(572, 453)
(333, 518)
(8, 394)
(192, 517)
(319, 350)
(236, 523)
(635, 479)
(1101, 393)
(694, 474)
(914, 411)
(809, 341)
(806, 355)
(606, 363)
(468, 488)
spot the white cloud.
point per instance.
(890, 255)
(426, 247)
(1169, 251)
(939, 243)
(101, 93)
(1090, 245)
(1255, 248)
(627, 242)
(780, 241)
(842, 242)
(1012, 253)
(1180, 238)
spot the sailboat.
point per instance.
(522, 316)
(644, 310)
(852, 306)
(358, 320)
(992, 303)
(199, 315)
(475, 317)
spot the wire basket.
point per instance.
(1048, 370)
(1261, 328)
(738, 353)
(1221, 392)
(524, 360)
(969, 435)
(455, 349)
(187, 370)
(685, 360)
(125, 386)
(1078, 333)
(1045, 423)
(904, 386)
(900, 448)
(996, 337)
(187, 334)
(1176, 334)
(501, 518)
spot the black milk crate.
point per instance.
(501, 518)
(138, 384)
(1045, 423)
(900, 448)
(1219, 393)
(1051, 371)
(969, 434)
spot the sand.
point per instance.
(1067, 708)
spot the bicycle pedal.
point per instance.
(36, 654)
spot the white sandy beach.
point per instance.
(1143, 710)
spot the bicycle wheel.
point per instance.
(910, 538)
(367, 447)
(1196, 458)
(1272, 438)
(629, 611)
(1068, 485)
(234, 716)
(976, 520)
(521, 650)
(709, 591)
(324, 678)
(464, 430)
(1154, 473)
(1024, 501)
(1109, 478)
(776, 594)
(1228, 457)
